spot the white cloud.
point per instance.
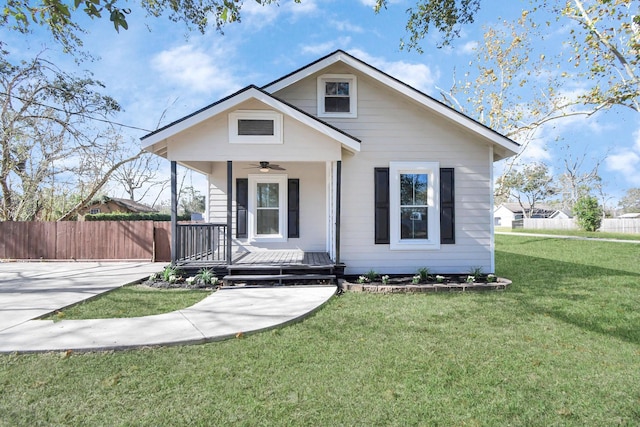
(195, 69)
(327, 47)
(418, 76)
(627, 161)
(257, 16)
(347, 26)
(468, 48)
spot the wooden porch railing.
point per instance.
(202, 243)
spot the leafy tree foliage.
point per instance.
(62, 19)
(529, 186)
(588, 213)
(630, 203)
(444, 16)
(45, 132)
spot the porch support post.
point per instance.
(338, 198)
(229, 210)
(174, 212)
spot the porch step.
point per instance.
(230, 278)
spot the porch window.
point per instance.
(337, 95)
(268, 208)
(414, 202)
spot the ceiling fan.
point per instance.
(266, 167)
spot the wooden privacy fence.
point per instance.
(83, 240)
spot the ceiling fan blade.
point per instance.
(276, 167)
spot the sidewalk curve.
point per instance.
(221, 315)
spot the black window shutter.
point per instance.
(293, 208)
(242, 203)
(447, 207)
(381, 206)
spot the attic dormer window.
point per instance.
(255, 127)
(337, 95)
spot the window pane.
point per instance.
(331, 88)
(343, 88)
(414, 223)
(413, 189)
(336, 105)
(268, 195)
(267, 221)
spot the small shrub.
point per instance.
(371, 275)
(169, 272)
(491, 278)
(424, 274)
(471, 279)
(439, 278)
(206, 277)
(363, 279)
(475, 271)
(588, 212)
(385, 280)
(415, 279)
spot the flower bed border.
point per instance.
(499, 285)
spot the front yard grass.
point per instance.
(575, 233)
(560, 347)
(131, 301)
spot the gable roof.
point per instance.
(507, 145)
(251, 92)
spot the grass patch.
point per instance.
(131, 301)
(560, 347)
(576, 233)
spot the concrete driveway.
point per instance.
(32, 289)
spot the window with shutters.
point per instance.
(337, 95)
(414, 214)
(255, 127)
(268, 208)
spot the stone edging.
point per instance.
(500, 284)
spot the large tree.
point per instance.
(48, 139)
(530, 185)
(630, 203)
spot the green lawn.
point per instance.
(132, 301)
(560, 347)
(577, 233)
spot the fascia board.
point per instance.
(417, 96)
(251, 93)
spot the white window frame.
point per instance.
(254, 180)
(353, 94)
(235, 138)
(432, 170)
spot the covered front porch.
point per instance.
(205, 245)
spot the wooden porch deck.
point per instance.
(297, 258)
(272, 266)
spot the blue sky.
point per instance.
(157, 65)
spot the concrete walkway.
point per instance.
(223, 314)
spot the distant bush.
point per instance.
(121, 216)
(589, 213)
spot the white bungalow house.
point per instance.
(505, 214)
(342, 159)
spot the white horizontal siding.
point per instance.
(394, 128)
(312, 203)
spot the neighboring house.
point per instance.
(631, 215)
(339, 157)
(506, 213)
(113, 204)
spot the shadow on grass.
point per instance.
(594, 298)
